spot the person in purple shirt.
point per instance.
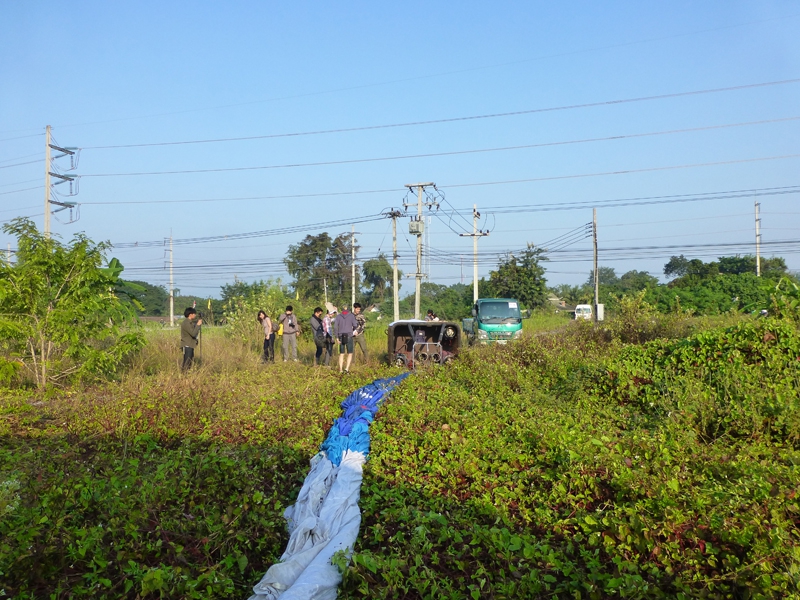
(344, 326)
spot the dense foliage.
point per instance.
(651, 457)
(727, 284)
(591, 469)
(319, 262)
(59, 314)
(520, 277)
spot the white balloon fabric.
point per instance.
(326, 518)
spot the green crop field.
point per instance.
(652, 457)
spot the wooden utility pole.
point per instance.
(475, 235)
(758, 239)
(596, 274)
(47, 183)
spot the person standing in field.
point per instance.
(269, 336)
(327, 324)
(318, 331)
(291, 329)
(358, 334)
(343, 327)
(190, 332)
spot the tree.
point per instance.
(448, 302)
(319, 260)
(242, 301)
(59, 316)
(574, 294)
(677, 266)
(736, 265)
(607, 276)
(153, 300)
(634, 281)
(377, 273)
(521, 278)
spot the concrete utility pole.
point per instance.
(49, 172)
(596, 274)
(758, 239)
(417, 227)
(47, 183)
(418, 274)
(395, 284)
(475, 235)
(325, 285)
(352, 265)
(171, 285)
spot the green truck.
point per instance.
(494, 321)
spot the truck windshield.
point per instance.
(500, 312)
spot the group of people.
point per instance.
(345, 328)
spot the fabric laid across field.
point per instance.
(326, 518)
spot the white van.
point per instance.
(583, 311)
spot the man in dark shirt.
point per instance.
(190, 333)
(358, 335)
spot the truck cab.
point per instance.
(583, 311)
(494, 321)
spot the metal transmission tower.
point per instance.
(476, 233)
(49, 188)
(417, 227)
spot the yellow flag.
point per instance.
(209, 304)
(297, 295)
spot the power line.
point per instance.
(22, 190)
(623, 172)
(447, 120)
(30, 162)
(5, 160)
(20, 137)
(438, 154)
(18, 182)
(253, 234)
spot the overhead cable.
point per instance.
(433, 154)
(452, 119)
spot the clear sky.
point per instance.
(116, 74)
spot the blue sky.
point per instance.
(108, 74)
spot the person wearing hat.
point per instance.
(344, 326)
(327, 326)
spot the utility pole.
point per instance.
(418, 277)
(758, 239)
(171, 287)
(325, 285)
(47, 183)
(8, 254)
(395, 284)
(417, 227)
(352, 266)
(596, 274)
(475, 235)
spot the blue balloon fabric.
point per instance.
(351, 430)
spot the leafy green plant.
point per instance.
(58, 313)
